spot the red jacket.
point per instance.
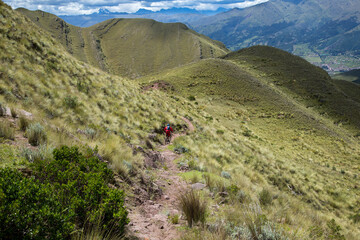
(168, 131)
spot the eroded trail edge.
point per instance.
(150, 220)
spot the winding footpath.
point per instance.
(149, 221)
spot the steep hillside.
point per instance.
(310, 84)
(306, 121)
(269, 165)
(130, 47)
(323, 32)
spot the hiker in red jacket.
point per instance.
(168, 130)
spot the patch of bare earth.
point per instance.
(149, 220)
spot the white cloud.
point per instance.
(126, 7)
(245, 4)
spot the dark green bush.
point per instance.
(191, 98)
(71, 102)
(30, 210)
(265, 197)
(63, 195)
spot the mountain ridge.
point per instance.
(135, 42)
(317, 30)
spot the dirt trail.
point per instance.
(150, 220)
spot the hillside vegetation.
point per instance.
(130, 47)
(302, 121)
(273, 167)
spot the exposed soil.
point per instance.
(149, 220)
(161, 85)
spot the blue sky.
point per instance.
(65, 7)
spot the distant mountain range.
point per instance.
(184, 15)
(325, 32)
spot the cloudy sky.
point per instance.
(66, 7)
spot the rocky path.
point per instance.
(150, 220)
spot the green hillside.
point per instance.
(307, 83)
(272, 165)
(130, 47)
(288, 107)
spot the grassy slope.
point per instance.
(130, 47)
(38, 75)
(310, 85)
(272, 97)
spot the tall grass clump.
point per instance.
(96, 232)
(36, 134)
(43, 153)
(71, 102)
(23, 123)
(193, 207)
(258, 227)
(2, 110)
(265, 197)
(6, 131)
(13, 112)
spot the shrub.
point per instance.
(258, 227)
(86, 179)
(193, 207)
(180, 149)
(36, 134)
(6, 131)
(220, 132)
(193, 165)
(174, 219)
(265, 197)
(30, 210)
(90, 133)
(247, 133)
(225, 174)
(23, 123)
(71, 102)
(191, 98)
(63, 195)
